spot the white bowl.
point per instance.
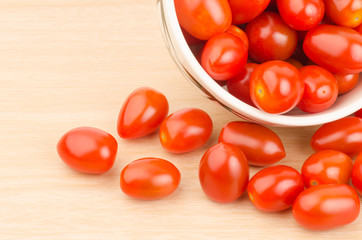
(190, 67)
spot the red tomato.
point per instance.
(185, 130)
(149, 178)
(357, 174)
(245, 11)
(239, 86)
(275, 188)
(327, 166)
(320, 91)
(224, 173)
(359, 29)
(358, 113)
(294, 62)
(142, 113)
(301, 15)
(224, 56)
(346, 13)
(203, 18)
(88, 150)
(338, 49)
(344, 135)
(326, 206)
(270, 38)
(346, 82)
(240, 34)
(276, 87)
(261, 146)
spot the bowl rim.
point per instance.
(188, 64)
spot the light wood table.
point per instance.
(66, 63)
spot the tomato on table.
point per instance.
(320, 91)
(142, 113)
(224, 173)
(149, 178)
(337, 49)
(275, 188)
(346, 13)
(325, 167)
(245, 11)
(239, 86)
(326, 206)
(344, 135)
(270, 38)
(224, 56)
(301, 15)
(276, 87)
(88, 150)
(261, 146)
(346, 82)
(357, 174)
(185, 130)
(203, 18)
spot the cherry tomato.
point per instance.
(88, 150)
(224, 173)
(142, 113)
(294, 62)
(357, 174)
(149, 178)
(245, 11)
(240, 34)
(224, 56)
(346, 82)
(203, 18)
(276, 87)
(301, 15)
(327, 166)
(344, 135)
(320, 91)
(338, 49)
(326, 206)
(261, 146)
(346, 13)
(239, 86)
(270, 38)
(358, 113)
(275, 188)
(185, 130)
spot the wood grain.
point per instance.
(65, 64)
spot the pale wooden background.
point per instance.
(67, 63)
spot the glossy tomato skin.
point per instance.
(245, 11)
(326, 206)
(149, 178)
(301, 15)
(236, 31)
(185, 130)
(203, 18)
(224, 173)
(337, 49)
(276, 87)
(327, 166)
(346, 82)
(88, 150)
(275, 188)
(320, 91)
(344, 135)
(270, 38)
(347, 13)
(357, 174)
(358, 113)
(224, 56)
(142, 113)
(261, 146)
(239, 86)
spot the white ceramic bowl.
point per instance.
(190, 67)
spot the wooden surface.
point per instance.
(67, 63)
